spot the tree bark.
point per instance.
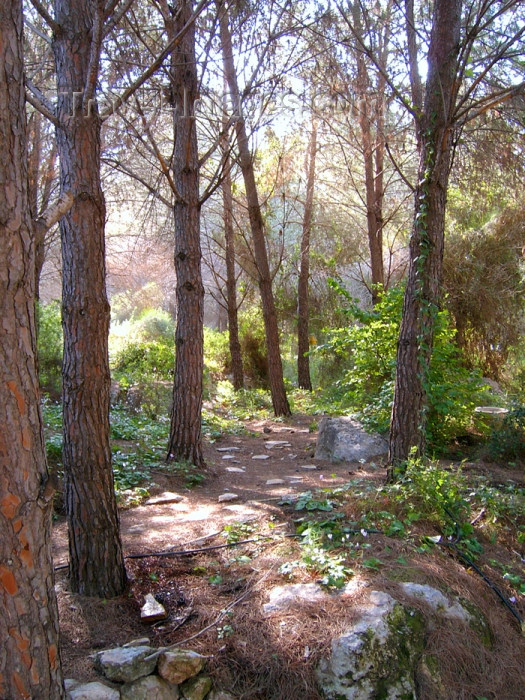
(29, 656)
(185, 441)
(373, 146)
(304, 380)
(231, 283)
(96, 564)
(275, 367)
(422, 295)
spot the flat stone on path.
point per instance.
(225, 497)
(228, 449)
(261, 457)
(276, 444)
(274, 482)
(235, 470)
(164, 498)
(310, 467)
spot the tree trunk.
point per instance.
(303, 337)
(29, 657)
(231, 283)
(422, 295)
(185, 442)
(373, 147)
(275, 367)
(96, 564)
(41, 174)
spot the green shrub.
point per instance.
(152, 360)
(508, 441)
(367, 346)
(217, 359)
(50, 348)
(253, 347)
(154, 325)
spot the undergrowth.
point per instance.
(430, 507)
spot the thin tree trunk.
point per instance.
(303, 303)
(422, 295)
(275, 367)
(96, 564)
(373, 155)
(185, 442)
(29, 656)
(231, 283)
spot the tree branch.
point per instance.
(115, 20)
(157, 62)
(118, 165)
(45, 15)
(37, 31)
(94, 58)
(55, 212)
(40, 103)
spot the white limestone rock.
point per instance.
(225, 497)
(152, 610)
(377, 656)
(92, 691)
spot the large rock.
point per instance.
(125, 664)
(178, 665)
(196, 688)
(91, 691)
(377, 656)
(437, 601)
(149, 688)
(284, 598)
(343, 439)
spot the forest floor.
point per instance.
(211, 564)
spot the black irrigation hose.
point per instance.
(450, 545)
(186, 552)
(454, 546)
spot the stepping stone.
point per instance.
(152, 610)
(228, 449)
(228, 456)
(276, 444)
(274, 482)
(295, 477)
(261, 457)
(310, 467)
(225, 497)
(162, 498)
(235, 470)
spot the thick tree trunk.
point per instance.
(96, 564)
(303, 306)
(275, 367)
(29, 658)
(422, 295)
(231, 283)
(185, 441)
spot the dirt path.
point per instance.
(214, 597)
(272, 452)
